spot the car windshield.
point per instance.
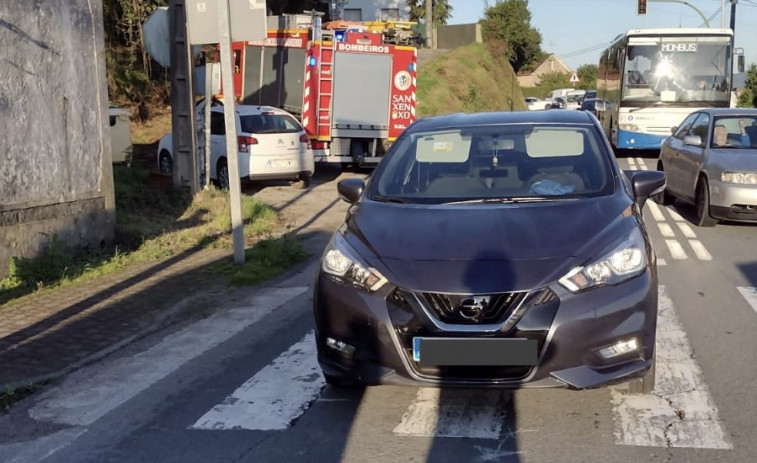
(494, 163)
(734, 132)
(269, 123)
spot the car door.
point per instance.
(692, 157)
(217, 140)
(670, 153)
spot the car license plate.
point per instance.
(475, 352)
(280, 163)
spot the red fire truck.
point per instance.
(353, 93)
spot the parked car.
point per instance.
(593, 105)
(533, 103)
(497, 249)
(121, 146)
(559, 103)
(558, 92)
(711, 162)
(588, 94)
(573, 99)
(271, 145)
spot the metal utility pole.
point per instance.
(235, 188)
(185, 171)
(429, 23)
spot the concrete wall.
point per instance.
(55, 156)
(459, 35)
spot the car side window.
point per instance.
(683, 129)
(217, 124)
(700, 126)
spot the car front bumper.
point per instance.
(730, 201)
(569, 331)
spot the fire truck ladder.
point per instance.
(325, 84)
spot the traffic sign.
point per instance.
(574, 78)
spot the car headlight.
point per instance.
(627, 260)
(745, 178)
(342, 262)
(629, 127)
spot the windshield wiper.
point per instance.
(389, 199)
(512, 200)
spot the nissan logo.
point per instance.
(473, 308)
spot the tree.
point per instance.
(587, 75)
(510, 21)
(442, 10)
(748, 97)
(552, 80)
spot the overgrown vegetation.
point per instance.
(154, 223)
(509, 22)
(11, 395)
(748, 97)
(468, 79)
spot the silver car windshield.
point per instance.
(501, 162)
(734, 132)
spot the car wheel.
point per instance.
(165, 163)
(645, 384)
(222, 174)
(664, 198)
(302, 183)
(703, 217)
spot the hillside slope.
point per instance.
(467, 79)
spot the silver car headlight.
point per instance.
(343, 263)
(743, 178)
(626, 260)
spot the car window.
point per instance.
(683, 129)
(700, 126)
(217, 124)
(269, 123)
(502, 161)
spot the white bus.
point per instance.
(652, 78)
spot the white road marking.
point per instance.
(680, 412)
(700, 250)
(84, 397)
(656, 212)
(642, 164)
(666, 230)
(273, 398)
(631, 162)
(661, 262)
(686, 230)
(676, 250)
(458, 413)
(750, 294)
(676, 216)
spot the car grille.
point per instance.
(470, 309)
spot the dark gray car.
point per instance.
(498, 249)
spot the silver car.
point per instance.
(711, 162)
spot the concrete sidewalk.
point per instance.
(50, 333)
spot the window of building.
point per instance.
(352, 14)
(390, 14)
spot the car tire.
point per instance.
(339, 382)
(645, 384)
(664, 198)
(702, 204)
(302, 183)
(222, 174)
(165, 163)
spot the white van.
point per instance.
(120, 135)
(559, 92)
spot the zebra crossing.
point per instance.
(680, 412)
(681, 241)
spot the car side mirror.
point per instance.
(693, 140)
(350, 189)
(646, 183)
(740, 60)
(673, 129)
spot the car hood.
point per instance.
(734, 160)
(484, 248)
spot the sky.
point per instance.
(578, 30)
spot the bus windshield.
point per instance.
(676, 69)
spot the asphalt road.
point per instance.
(243, 385)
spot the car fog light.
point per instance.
(620, 348)
(340, 346)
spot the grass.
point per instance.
(154, 223)
(467, 79)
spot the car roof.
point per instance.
(248, 110)
(510, 117)
(751, 112)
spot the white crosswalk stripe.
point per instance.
(273, 398)
(750, 294)
(680, 412)
(676, 250)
